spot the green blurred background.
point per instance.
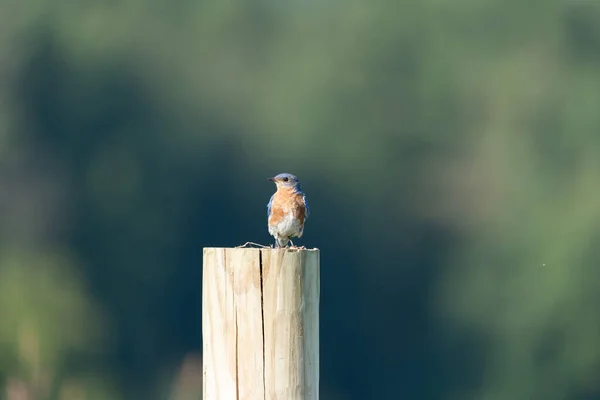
(450, 152)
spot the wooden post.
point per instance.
(260, 324)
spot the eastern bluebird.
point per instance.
(287, 210)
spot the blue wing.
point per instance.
(307, 213)
(269, 206)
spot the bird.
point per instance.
(287, 210)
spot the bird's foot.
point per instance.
(293, 246)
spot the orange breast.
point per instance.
(284, 202)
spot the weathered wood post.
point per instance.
(260, 324)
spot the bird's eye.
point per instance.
(286, 179)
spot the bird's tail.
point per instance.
(281, 242)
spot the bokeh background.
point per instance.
(450, 152)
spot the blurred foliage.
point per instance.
(450, 153)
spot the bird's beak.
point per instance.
(271, 179)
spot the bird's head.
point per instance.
(286, 180)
